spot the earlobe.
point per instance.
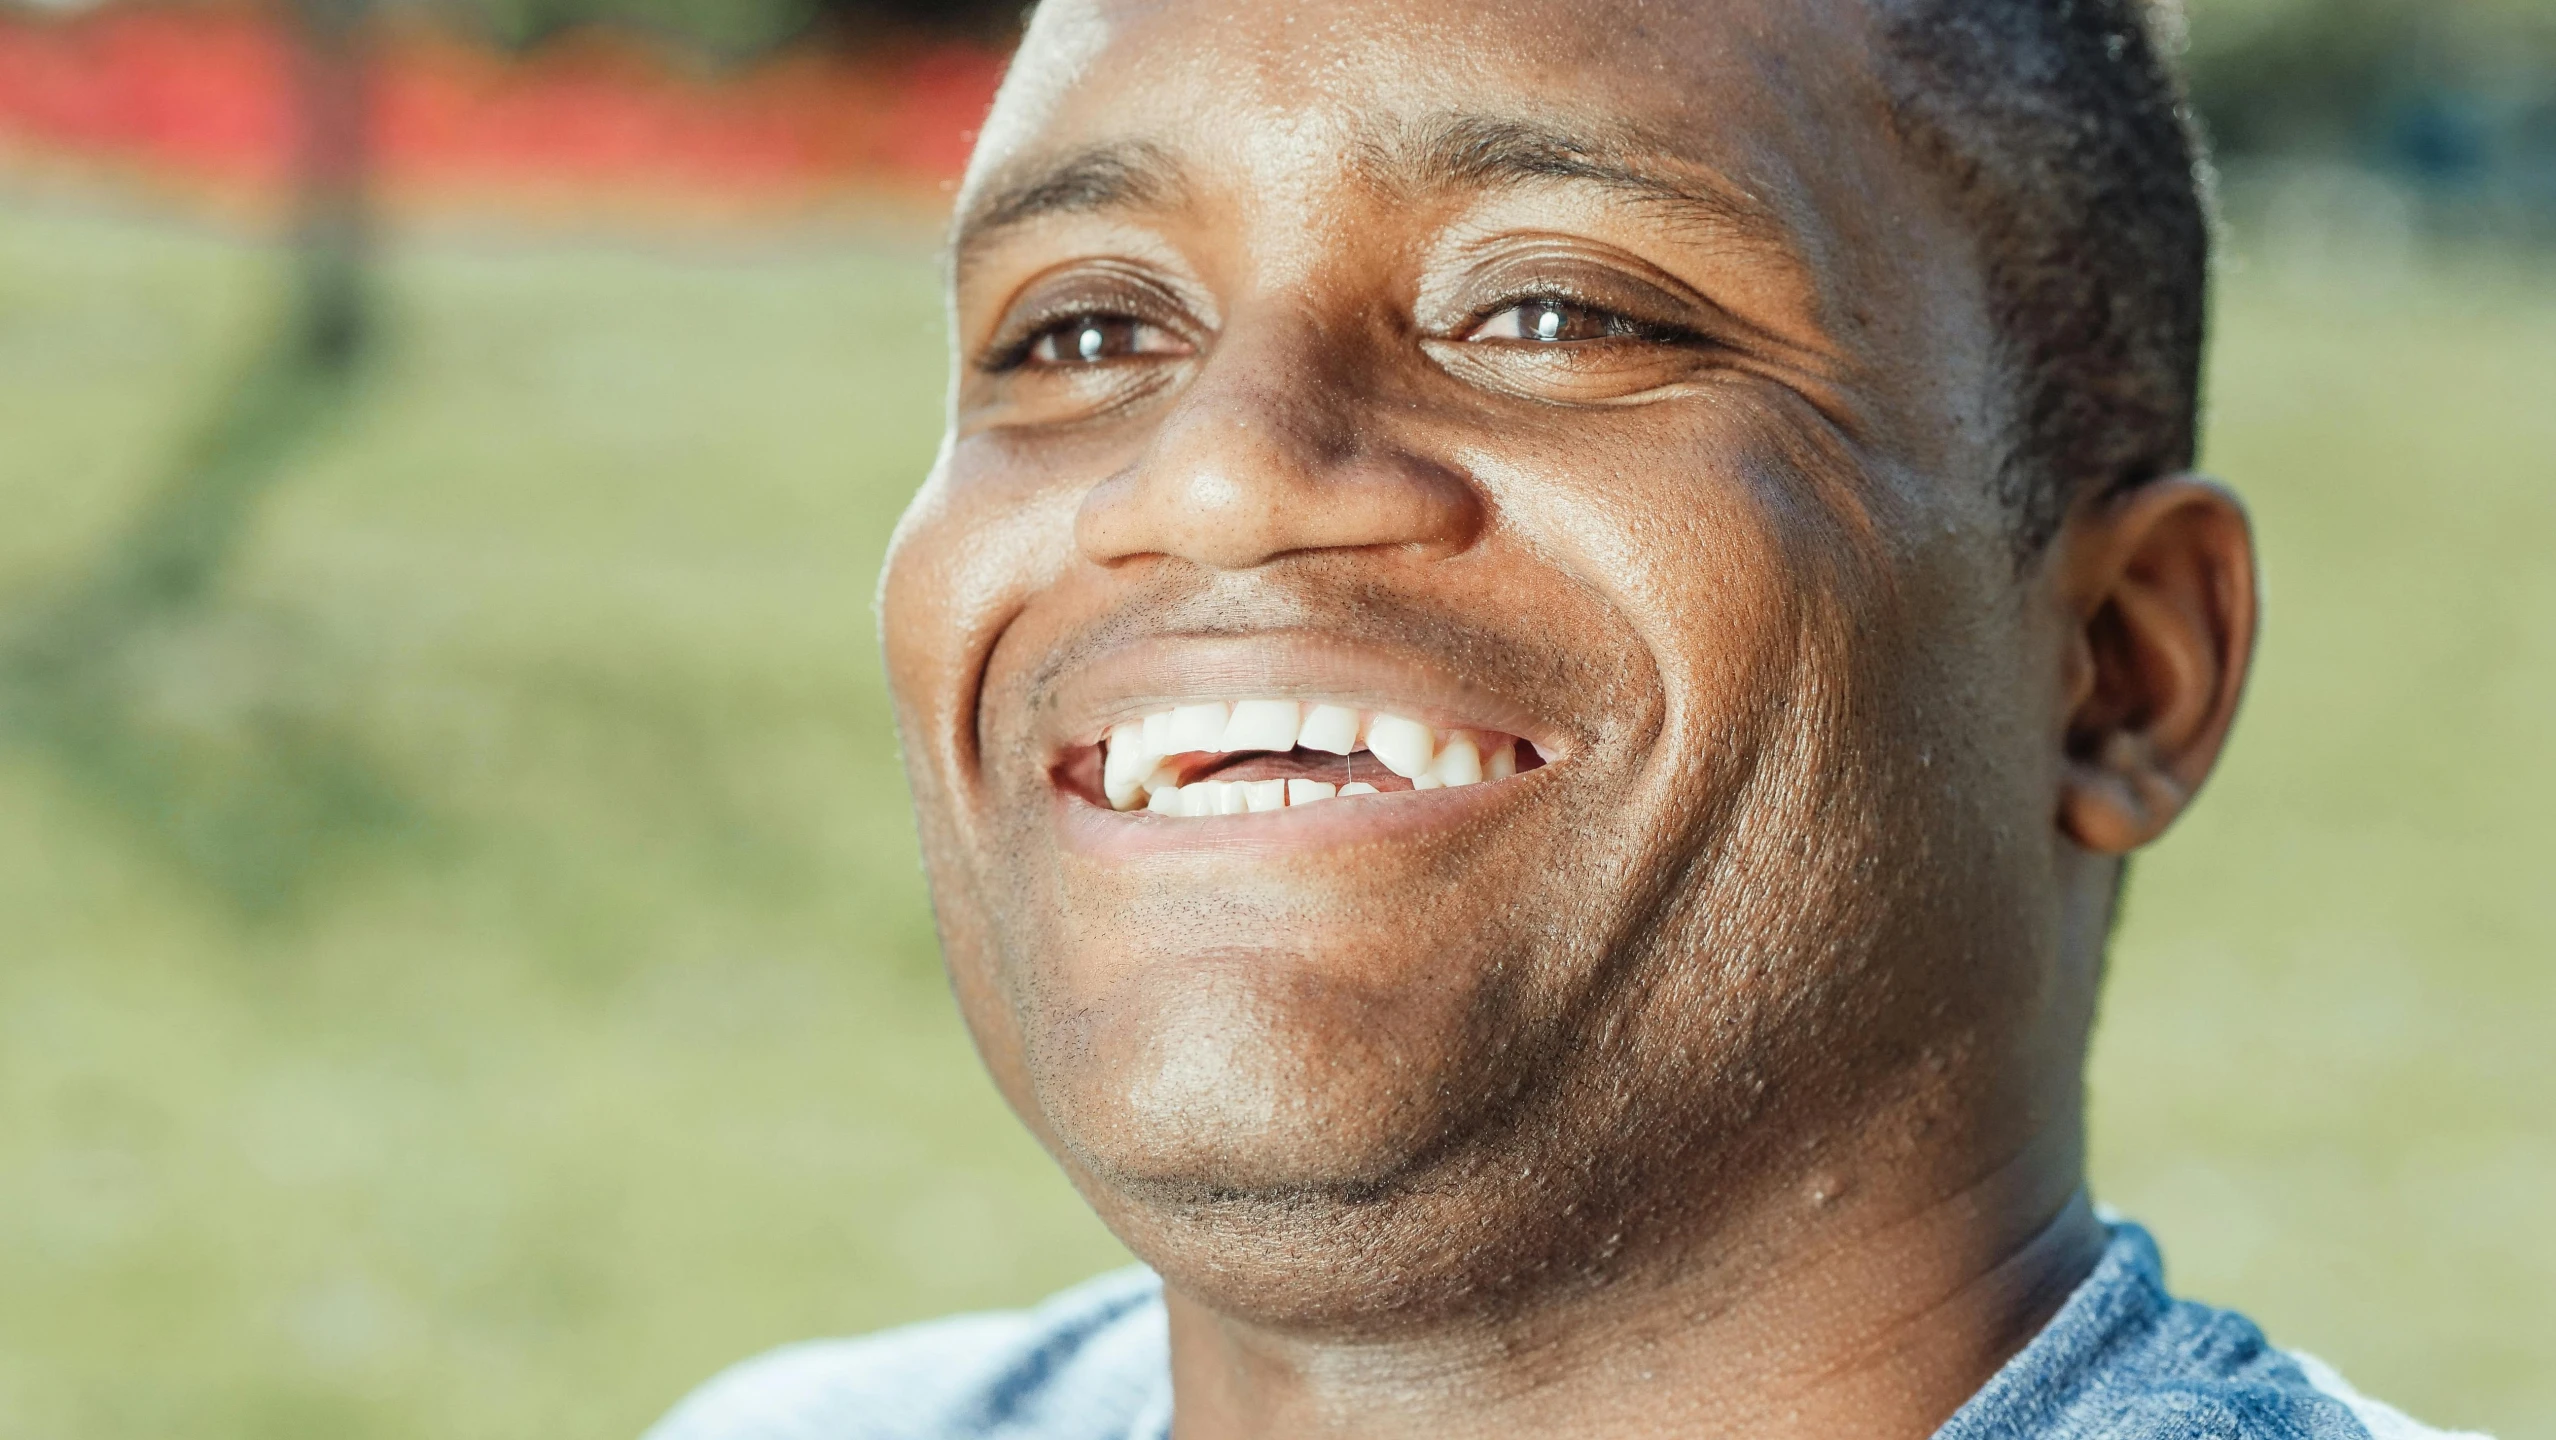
(2116, 802)
(2158, 586)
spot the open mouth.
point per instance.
(1244, 757)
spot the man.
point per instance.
(1528, 673)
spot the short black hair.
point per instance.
(2074, 157)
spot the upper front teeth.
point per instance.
(1263, 725)
(1133, 772)
(1404, 746)
(1332, 729)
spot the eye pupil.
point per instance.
(1091, 342)
(1546, 323)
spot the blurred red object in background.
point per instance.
(203, 97)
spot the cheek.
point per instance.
(1714, 543)
(984, 534)
(977, 540)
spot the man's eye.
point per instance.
(1554, 322)
(1097, 340)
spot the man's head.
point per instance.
(1650, 400)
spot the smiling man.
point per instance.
(1528, 673)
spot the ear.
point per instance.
(2159, 588)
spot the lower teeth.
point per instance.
(1466, 758)
(1249, 797)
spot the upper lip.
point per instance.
(1131, 679)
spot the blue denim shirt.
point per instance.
(2122, 1360)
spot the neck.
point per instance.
(1819, 1316)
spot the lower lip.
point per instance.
(1327, 824)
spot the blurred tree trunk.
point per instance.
(174, 550)
(334, 215)
(256, 796)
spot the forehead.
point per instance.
(1767, 101)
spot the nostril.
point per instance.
(1107, 526)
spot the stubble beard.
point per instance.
(1589, 1116)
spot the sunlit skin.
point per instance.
(1604, 373)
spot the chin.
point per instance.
(1246, 1076)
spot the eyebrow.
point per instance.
(1116, 175)
(1490, 150)
(1451, 152)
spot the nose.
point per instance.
(1268, 451)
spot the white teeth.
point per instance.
(1135, 772)
(1332, 729)
(1457, 762)
(1261, 725)
(1124, 764)
(1404, 746)
(1198, 727)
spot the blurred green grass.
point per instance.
(600, 1040)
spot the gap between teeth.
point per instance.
(1133, 773)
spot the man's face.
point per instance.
(1591, 387)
